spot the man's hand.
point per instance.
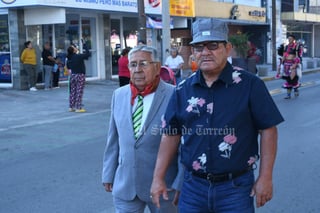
(262, 189)
(158, 188)
(108, 186)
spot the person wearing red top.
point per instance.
(124, 73)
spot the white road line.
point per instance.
(48, 121)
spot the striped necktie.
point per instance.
(137, 116)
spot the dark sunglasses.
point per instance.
(210, 45)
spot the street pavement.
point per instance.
(22, 108)
(56, 133)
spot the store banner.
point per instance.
(152, 6)
(104, 5)
(182, 8)
(156, 23)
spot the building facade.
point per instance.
(105, 26)
(108, 26)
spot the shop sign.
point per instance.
(182, 8)
(257, 13)
(156, 23)
(105, 5)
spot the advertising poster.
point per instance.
(5, 68)
(152, 6)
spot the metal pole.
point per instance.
(166, 33)
(142, 33)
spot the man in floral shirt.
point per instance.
(219, 112)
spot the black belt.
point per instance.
(215, 178)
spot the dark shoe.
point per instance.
(287, 97)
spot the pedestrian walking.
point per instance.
(175, 62)
(29, 59)
(221, 113)
(75, 64)
(48, 63)
(291, 67)
(134, 137)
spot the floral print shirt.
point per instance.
(220, 124)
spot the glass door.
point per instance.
(88, 37)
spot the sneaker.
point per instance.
(296, 93)
(33, 89)
(80, 110)
(72, 110)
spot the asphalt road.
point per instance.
(50, 159)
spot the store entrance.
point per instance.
(77, 30)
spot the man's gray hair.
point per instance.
(145, 48)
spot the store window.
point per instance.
(115, 44)
(77, 30)
(123, 35)
(5, 57)
(302, 33)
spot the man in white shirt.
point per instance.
(175, 62)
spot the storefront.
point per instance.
(61, 24)
(241, 19)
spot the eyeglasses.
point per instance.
(210, 46)
(142, 64)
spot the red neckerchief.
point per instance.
(150, 88)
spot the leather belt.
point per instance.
(215, 178)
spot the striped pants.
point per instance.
(77, 82)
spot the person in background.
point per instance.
(123, 69)
(48, 63)
(175, 62)
(134, 137)
(221, 113)
(29, 59)
(192, 63)
(75, 63)
(291, 67)
(141, 42)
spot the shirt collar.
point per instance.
(225, 76)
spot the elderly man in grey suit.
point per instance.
(134, 137)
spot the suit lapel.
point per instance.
(127, 111)
(156, 103)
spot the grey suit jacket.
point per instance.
(129, 163)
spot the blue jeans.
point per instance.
(201, 196)
(47, 76)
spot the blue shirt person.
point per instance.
(220, 112)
